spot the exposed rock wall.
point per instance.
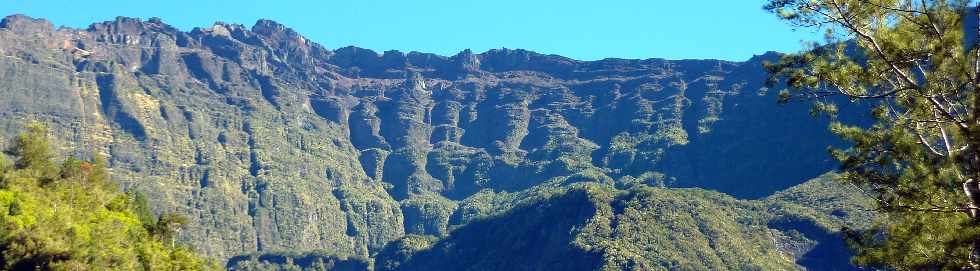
(269, 141)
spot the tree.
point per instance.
(73, 217)
(168, 227)
(920, 160)
(33, 151)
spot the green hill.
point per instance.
(596, 227)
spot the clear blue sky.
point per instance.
(588, 30)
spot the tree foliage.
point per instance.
(920, 161)
(71, 217)
(297, 261)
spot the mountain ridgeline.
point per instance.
(267, 141)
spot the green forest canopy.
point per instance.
(72, 217)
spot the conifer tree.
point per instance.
(920, 160)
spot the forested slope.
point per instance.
(71, 216)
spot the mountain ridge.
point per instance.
(281, 34)
(269, 141)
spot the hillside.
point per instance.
(593, 227)
(70, 216)
(270, 142)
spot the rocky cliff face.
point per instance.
(268, 141)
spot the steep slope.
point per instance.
(253, 170)
(595, 227)
(745, 144)
(268, 141)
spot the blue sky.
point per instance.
(588, 30)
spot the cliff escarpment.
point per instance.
(269, 141)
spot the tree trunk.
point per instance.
(971, 186)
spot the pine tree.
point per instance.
(920, 160)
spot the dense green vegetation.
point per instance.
(920, 161)
(294, 261)
(72, 217)
(590, 226)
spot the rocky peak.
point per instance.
(500, 60)
(277, 33)
(289, 46)
(126, 30)
(394, 59)
(358, 61)
(771, 56)
(420, 59)
(121, 25)
(219, 29)
(270, 28)
(467, 62)
(230, 31)
(24, 25)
